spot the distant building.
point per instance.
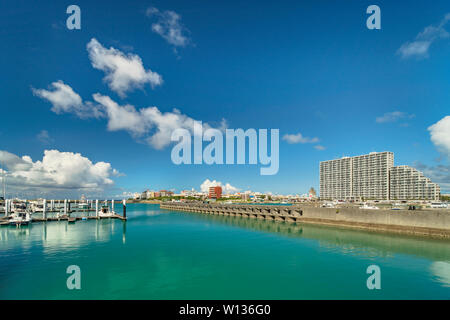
(165, 193)
(145, 195)
(136, 196)
(215, 192)
(372, 176)
(188, 193)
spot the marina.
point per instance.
(21, 212)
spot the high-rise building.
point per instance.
(407, 183)
(215, 192)
(373, 176)
(370, 175)
(336, 179)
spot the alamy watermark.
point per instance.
(234, 153)
(74, 280)
(74, 20)
(374, 280)
(374, 20)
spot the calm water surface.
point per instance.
(159, 254)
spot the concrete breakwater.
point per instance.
(434, 223)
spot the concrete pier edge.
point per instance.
(435, 223)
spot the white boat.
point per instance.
(105, 212)
(37, 207)
(83, 205)
(18, 206)
(20, 218)
(365, 206)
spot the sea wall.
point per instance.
(435, 223)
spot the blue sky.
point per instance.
(308, 67)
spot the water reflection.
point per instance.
(441, 271)
(347, 241)
(61, 235)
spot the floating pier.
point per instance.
(63, 210)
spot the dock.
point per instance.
(63, 213)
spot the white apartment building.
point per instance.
(336, 179)
(369, 177)
(407, 183)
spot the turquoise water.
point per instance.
(159, 254)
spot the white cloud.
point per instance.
(169, 27)
(57, 170)
(226, 188)
(150, 124)
(154, 126)
(44, 137)
(123, 72)
(393, 117)
(420, 46)
(65, 100)
(298, 138)
(319, 147)
(121, 118)
(440, 135)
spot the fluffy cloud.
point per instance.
(149, 124)
(169, 27)
(57, 170)
(420, 46)
(394, 116)
(298, 138)
(227, 188)
(65, 100)
(123, 72)
(121, 118)
(154, 126)
(440, 135)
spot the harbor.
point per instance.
(167, 254)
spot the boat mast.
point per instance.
(3, 181)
